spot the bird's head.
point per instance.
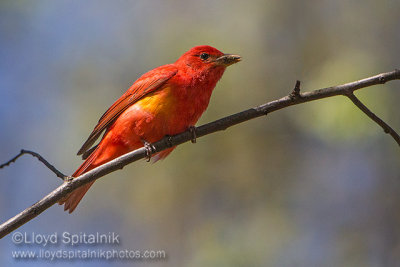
(205, 58)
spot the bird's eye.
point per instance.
(204, 56)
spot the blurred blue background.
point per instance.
(311, 185)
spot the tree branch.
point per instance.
(40, 158)
(386, 128)
(292, 99)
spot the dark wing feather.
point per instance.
(146, 84)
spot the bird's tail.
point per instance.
(72, 200)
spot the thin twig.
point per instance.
(218, 125)
(11, 160)
(40, 158)
(386, 128)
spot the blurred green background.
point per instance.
(311, 185)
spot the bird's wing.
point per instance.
(146, 84)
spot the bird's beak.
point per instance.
(228, 59)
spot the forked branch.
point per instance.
(294, 98)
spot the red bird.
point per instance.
(165, 101)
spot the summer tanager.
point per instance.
(165, 101)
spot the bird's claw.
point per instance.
(192, 130)
(150, 149)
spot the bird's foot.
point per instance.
(192, 130)
(150, 149)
